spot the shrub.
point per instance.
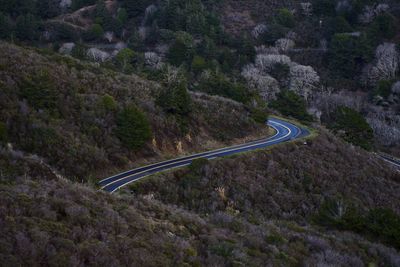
(133, 128)
(218, 84)
(3, 132)
(384, 89)
(260, 115)
(355, 129)
(285, 18)
(40, 91)
(108, 103)
(198, 64)
(377, 223)
(95, 32)
(291, 104)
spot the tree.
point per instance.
(303, 79)
(285, 18)
(352, 127)
(135, 7)
(133, 128)
(265, 85)
(387, 63)
(182, 49)
(3, 132)
(348, 55)
(218, 84)
(174, 98)
(383, 27)
(5, 26)
(26, 27)
(40, 91)
(290, 104)
(48, 8)
(124, 59)
(198, 64)
(95, 32)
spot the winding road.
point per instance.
(285, 131)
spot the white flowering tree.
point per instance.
(265, 63)
(153, 60)
(258, 30)
(387, 63)
(265, 85)
(284, 44)
(303, 80)
(97, 55)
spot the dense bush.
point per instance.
(290, 104)
(352, 126)
(379, 223)
(133, 128)
(218, 84)
(40, 91)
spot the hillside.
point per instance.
(66, 112)
(246, 210)
(92, 88)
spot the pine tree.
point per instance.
(133, 128)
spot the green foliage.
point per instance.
(48, 8)
(122, 15)
(77, 4)
(348, 54)
(198, 64)
(95, 32)
(260, 115)
(3, 132)
(383, 27)
(324, 7)
(108, 103)
(125, 58)
(40, 91)
(285, 18)
(182, 50)
(355, 129)
(5, 26)
(290, 104)
(335, 25)
(135, 7)
(378, 223)
(133, 128)
(384, 89)
(175, 100)
(26, 27)
(218, 84)
(275, 31)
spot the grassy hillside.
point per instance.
(66, 111)
(248, 210)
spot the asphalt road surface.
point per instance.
(285, 131)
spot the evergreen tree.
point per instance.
(133, 128)
(175, 100)
(355, 129)
(26, 27)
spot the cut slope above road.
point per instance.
(285, 131)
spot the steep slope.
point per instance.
(66, 111)
(248, 210)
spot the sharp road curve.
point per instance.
(285, 131)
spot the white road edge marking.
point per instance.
(184, 157)
(211, 153)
